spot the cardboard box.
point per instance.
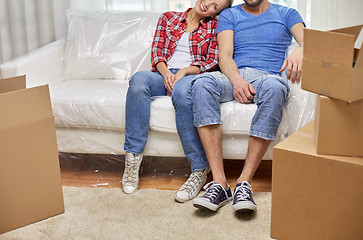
(30, 182)
(315, 196)
(339, 127)
(328, 64)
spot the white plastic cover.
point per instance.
(102, 51)
(90, 104)
(108, 45)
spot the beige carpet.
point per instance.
(108, 213)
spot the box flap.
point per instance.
(358, 56)
(24, 106)
(317, 117)
(329, 47)
(355, 30)
(357, 88)
(327, 79)
(30, 181)
(304, 142)
(12, 84)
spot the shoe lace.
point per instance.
(212, 190)
(131, 169)
(193, 182)
(243, 192)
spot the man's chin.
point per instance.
(253, 3)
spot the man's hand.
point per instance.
(243, 91)
(293, 64)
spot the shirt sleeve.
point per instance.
(225, 21)
(292, 18)
(211, 59)
(158, 42)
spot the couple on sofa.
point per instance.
(252, 40)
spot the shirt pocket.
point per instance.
(204, 40)
(171, 34)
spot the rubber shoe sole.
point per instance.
(183, 200)
(129, 189)
(244, 207)
(207, 205)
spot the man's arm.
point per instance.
(242, 90)
(293, 62)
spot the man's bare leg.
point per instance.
(257, 148)
(211, 137)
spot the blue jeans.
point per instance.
(142, 87)
(211, 89)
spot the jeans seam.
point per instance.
(262, 135)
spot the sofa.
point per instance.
(88, 73)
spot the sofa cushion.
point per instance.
(108, 44)
(100, 104)
(236, 117)
(97, 104)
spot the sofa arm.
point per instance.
(42, 66)
(300, 108)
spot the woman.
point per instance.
(184, 44)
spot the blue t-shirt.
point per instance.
(260, 41)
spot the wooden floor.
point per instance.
(155, 172)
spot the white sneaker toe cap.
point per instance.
(181, 196)
(129, 189)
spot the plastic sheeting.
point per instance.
(108, 45)
(98, 170)
(101, 52)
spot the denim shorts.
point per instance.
(211, 89)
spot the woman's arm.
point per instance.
(211, 57)
(167, 75)
(158, 42)
(157, 57)
(184, 72)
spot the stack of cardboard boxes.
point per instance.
(317, 175)
(30, 182)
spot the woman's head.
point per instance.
(208, 8)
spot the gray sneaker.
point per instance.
(192, 186)
(130, 179)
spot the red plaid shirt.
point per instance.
(202, 41)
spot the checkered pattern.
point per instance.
(202, 41)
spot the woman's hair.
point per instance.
(230, 3)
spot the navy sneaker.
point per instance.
(242, 198)
(215, 197)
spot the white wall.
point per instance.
(331, 14)
(29, 24)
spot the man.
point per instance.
(252, 41)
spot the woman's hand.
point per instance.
(186, 71)
(167, 76)
(180, 74)
(169, 79)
